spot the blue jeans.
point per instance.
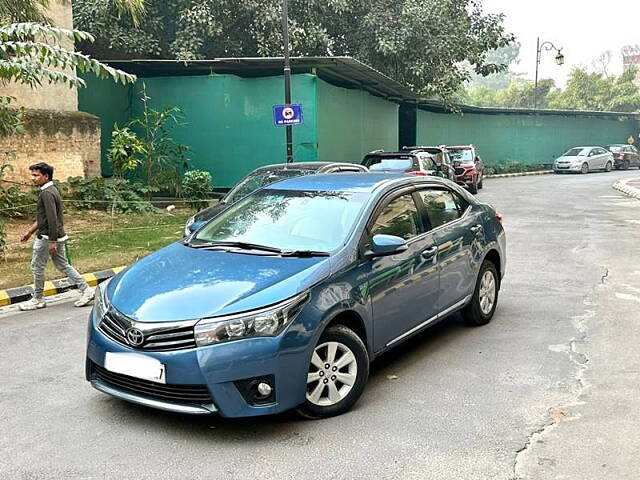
(39, 263)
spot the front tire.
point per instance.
(625, 165)
(608, 167)
(585, 168)
(473, 188)
(485, 297)
(337, 373)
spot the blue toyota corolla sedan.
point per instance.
(284, 299)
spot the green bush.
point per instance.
(511, 166)
(115, 195)
(15, 202)
(196, 185)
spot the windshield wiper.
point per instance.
(242, 245)
(304, 253)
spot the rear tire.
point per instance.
(348, 360)
(485, 297)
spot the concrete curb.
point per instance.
(521, 174)
(628, 190)
(21, 294)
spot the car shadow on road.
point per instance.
(288, 426)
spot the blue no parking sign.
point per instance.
(284, 115)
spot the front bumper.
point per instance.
(467, 178)
(215, 368)
(566, 168)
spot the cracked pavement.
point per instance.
(548, 390)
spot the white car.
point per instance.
(584, 160)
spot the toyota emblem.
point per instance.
(135, 337)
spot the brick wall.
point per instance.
(70, 141)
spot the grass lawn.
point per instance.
(96, 242)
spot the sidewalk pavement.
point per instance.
(21, 294)
(630, 187)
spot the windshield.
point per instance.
(288, 220)
(576, 152)
(259, 179)
(378, 164)
(615, 148)
(461, 155)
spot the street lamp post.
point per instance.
(287, 77)
(547, 46)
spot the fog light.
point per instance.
(264, 389)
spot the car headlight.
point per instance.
(189, 223)
(101, 304)
(266, 322)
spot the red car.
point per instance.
(624, 156)
(468, 166)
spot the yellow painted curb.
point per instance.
(91, 279)
(49, 289)
(118, 269)
(4, 298)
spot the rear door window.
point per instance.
(442, 206)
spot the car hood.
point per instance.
(182, 283)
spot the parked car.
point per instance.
(440, 156)
(414, 163)
(283, 300)
(468, 166)
(262, 176)
(584, 160)
(624, 156)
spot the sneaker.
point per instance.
(86, 297)
(33, 304)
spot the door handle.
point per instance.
(477, 229)
(429, 252)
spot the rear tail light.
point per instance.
(419, 174)
(499, 217)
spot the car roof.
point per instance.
(306, 166)
(352, 182)
(401, 153)
(461, 147)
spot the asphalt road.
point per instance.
(548, 390)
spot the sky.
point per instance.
(583, 29)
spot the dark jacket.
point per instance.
(49, 214)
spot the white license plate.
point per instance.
(136, 365)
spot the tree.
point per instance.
(601, 63)
(594, 91)
(506, 56)
(34, 53)
(518, 95)
(421, 43)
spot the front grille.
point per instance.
(157, 337)
(177, 393)
(460, 171)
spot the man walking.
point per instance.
(50, 240)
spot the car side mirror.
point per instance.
(196, 225)
(385, 245)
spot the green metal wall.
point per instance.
(352, 123)
(525, 138)
(110, 102)
(228, 119)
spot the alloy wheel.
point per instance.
(332, 374)
(585, 168)
(487, 294)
